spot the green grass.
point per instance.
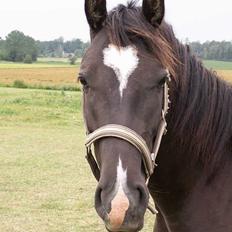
(63, 62)
(218, 65)
(33, 65)
(41, 63)
(22, 85)
(52, 59)
(45, 182)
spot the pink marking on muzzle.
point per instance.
(119, 206)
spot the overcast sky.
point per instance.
(49, 19)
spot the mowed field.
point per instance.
(45, 182)
(58, 73)
(47, 72)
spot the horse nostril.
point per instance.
(99, 204)
(140, 193)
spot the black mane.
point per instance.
(202, 109)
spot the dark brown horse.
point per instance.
(124, 74)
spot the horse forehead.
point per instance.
(123, 61)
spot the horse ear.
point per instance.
(153, 11)
(96, 13)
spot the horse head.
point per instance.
(124, 80)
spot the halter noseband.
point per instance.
(132, 137)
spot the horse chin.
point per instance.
(124, 228)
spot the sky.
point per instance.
(197, 20)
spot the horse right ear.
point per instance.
(154, 10)
(96, 13)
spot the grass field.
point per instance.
(45, 182)
(48, 62)
(218, 65)
(223, 69)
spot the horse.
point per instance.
(145, 93)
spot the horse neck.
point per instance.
(199, 122)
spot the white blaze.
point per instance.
(121, 176)
(123, 61)
(120, 204)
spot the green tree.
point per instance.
(2, 49)
(17, 46)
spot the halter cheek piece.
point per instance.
(129, 135)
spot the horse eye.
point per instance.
(83, 81)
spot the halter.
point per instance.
(132, 137)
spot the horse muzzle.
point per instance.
(123, 210)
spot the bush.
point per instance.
(28, 59)
(73, 60)
(19, 84)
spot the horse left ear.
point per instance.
(96, 13)
(153, 11)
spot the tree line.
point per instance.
(213, 50)
(18, 47)
(60, 48)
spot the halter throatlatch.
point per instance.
(132, 137)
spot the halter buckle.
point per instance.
(153, 158)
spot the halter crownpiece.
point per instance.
(132, 137)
